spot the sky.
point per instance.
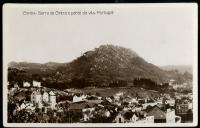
(161, 34)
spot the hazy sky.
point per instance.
(162, 35)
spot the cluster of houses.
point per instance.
(173, 84)
(34, 84)
(132, 112)
(39, 98)
(119, 108)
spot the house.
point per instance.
(52, 99)
(26, 84)
(81, 106)
(172, 82)
(109, 99)
(167, 96)
(77, 98)
(149, 119)
(170, 116)
(16, 86)
(22, 106)
(36, 84)
(171, 102)
(118, 95)
(30, 106)
(182, 106)
(107, 113)
(87, 112)
(190, 105)
(141, 101)
(126, 108)
(12, 91)
(118, 103)
(86, 117)
(134, 100)
(127, 99)
(159, 115)
(90, 108)
(45, 97)
(36, 98)
(127, 117)
(134, 118)
(137, 109)
(26, 105)
(99, 97)
(119, 118)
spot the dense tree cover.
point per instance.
(18, 76)
(150, 84)
(39, 116)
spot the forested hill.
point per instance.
(102, 66)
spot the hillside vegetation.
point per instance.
(105, 66)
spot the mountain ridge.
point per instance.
(180, 68)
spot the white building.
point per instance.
(190, 106)
(79, 98)
(16, 86)
(85, 117)
(36, 84)
(171, 102)
(52, 100)
(148, 119)
(134, 118)
(171, 82)
(26, 84)
(45, 97)
(118, 95)
(109, 99)
(107, 113)
(134, 100)
(170, 116)
(22, 106)
(119, 118)
(36, 98)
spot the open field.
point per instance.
(127, 91)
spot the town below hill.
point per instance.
(34, 103)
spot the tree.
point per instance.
(98, 94)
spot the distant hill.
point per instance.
(27, 65)
(101, 66)
(179, 68)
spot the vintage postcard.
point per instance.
(100, 65)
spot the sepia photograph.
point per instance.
(86, 65)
